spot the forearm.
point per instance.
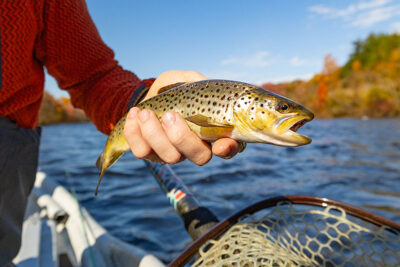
(72, 50)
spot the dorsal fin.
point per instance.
(169, 86)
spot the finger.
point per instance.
(184, 140)
(154, 134)
(225, 148)
(133, 135)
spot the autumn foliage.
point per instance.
(367, 85)
(59, 110)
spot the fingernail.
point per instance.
(144, 115)
(133, 113)
(168, 119)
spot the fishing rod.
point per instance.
(198, 219)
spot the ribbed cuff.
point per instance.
(139, 93)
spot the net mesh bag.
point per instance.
(302, 235)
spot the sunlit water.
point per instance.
(350, 160)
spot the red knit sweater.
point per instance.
(58, 35)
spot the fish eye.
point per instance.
(283, 107)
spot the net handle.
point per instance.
(223, 226)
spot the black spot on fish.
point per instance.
(223, 97)
(261, 105)
(206, 96)
(203, 109)
(214, 103)
(217, 91)
(188, 105)
(209, 102)
(218, 111)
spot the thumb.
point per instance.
(171, 79)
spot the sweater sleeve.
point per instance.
(73, 52)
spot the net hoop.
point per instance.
(223, 226)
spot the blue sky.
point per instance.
(253, 41)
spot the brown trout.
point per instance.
(217, 108)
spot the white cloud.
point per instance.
(300, 62)
(372, 17)
(362, 14)
(297, 62)
(289, 78)
(226, 75)
(257, 60)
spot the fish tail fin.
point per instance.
(98, 183)
(104, 161)
(101, 168)
(99, 162)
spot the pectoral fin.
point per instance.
(205, 121)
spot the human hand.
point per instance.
(171, 140)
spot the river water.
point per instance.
(350, 160)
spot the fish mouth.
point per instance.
(298, 124)
(289, 128)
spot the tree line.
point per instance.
(367, 85)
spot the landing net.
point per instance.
(302, 235)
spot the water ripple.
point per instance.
(354, 161)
